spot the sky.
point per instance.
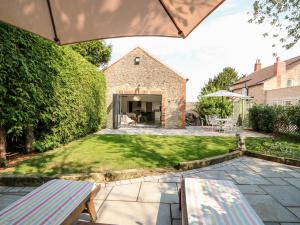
(224, 39)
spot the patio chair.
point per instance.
(218, 202)
(126, 120)
(210, 121)
(55, 202)
(228, 125)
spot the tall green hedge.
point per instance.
(49, 88)
(276, 119)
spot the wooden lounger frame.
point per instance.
(87, 203)
(182, 203)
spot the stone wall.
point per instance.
(148, 77)
(258, 93)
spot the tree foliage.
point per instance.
(283, 16)
(50, 88)
(274, 119)
(214, 106)
(96, 52)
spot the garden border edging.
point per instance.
(189, 165)
(283, 160)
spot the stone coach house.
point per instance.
(143, 92)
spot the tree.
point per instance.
(214, 106)
(96, 52)
(283, 16)
(49, 94)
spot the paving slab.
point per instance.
(241, 166)
(275, 173)
(211, 174)
(270, 210)
(176, 213)
(18, 190)
(295, 174)
(290, 224)
(190, 131)
(251, 189)
(158, 192)
(134, 213)
(173, 179)
(268, 167)
(294, 181)
(6, 200)
(85, 217)
(286, 195)
(127, 192)
(295, 210)
(277, 181)
(102, 194)
(4, 188)
(246, 177)
(176, 222)
(97, 204)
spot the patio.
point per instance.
(190, 131)
(272, 189)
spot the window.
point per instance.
(289, 83)
(277, 103)
(288, 102)
(244, 91)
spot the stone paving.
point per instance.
(272, 189)
(190, 131)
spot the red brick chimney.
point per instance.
(280, 69)
(257, 65)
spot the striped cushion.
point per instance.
(211, 202)
(49, 204)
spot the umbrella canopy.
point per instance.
(223, 93)
(227, 94)
(71, 21)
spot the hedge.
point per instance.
(47, 88)
(276, 119)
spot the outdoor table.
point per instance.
(55, 202)
(221, 121)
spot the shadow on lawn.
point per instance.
(139, 150)
(39, 165)
(168, 151)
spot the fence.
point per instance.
(276, 119)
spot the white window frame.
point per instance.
(291, 84)
(286, 102)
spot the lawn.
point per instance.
(279, 146)
(100, 153)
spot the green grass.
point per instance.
(99, 153)
(279, 146)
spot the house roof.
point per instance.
(152, 57)
(263, 74)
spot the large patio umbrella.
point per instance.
(227, 94)
(71, 21)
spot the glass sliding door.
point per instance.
(116, 111)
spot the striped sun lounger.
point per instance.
(56, 202)
(214, 202)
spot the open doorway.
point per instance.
(137, 110)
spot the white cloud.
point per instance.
(218, 42)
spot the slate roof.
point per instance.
(263, 74)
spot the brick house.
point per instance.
(143, 91)
(278, 84)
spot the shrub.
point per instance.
(275, 119)
(50, 88)
(262, 118)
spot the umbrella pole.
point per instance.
(222, 106)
